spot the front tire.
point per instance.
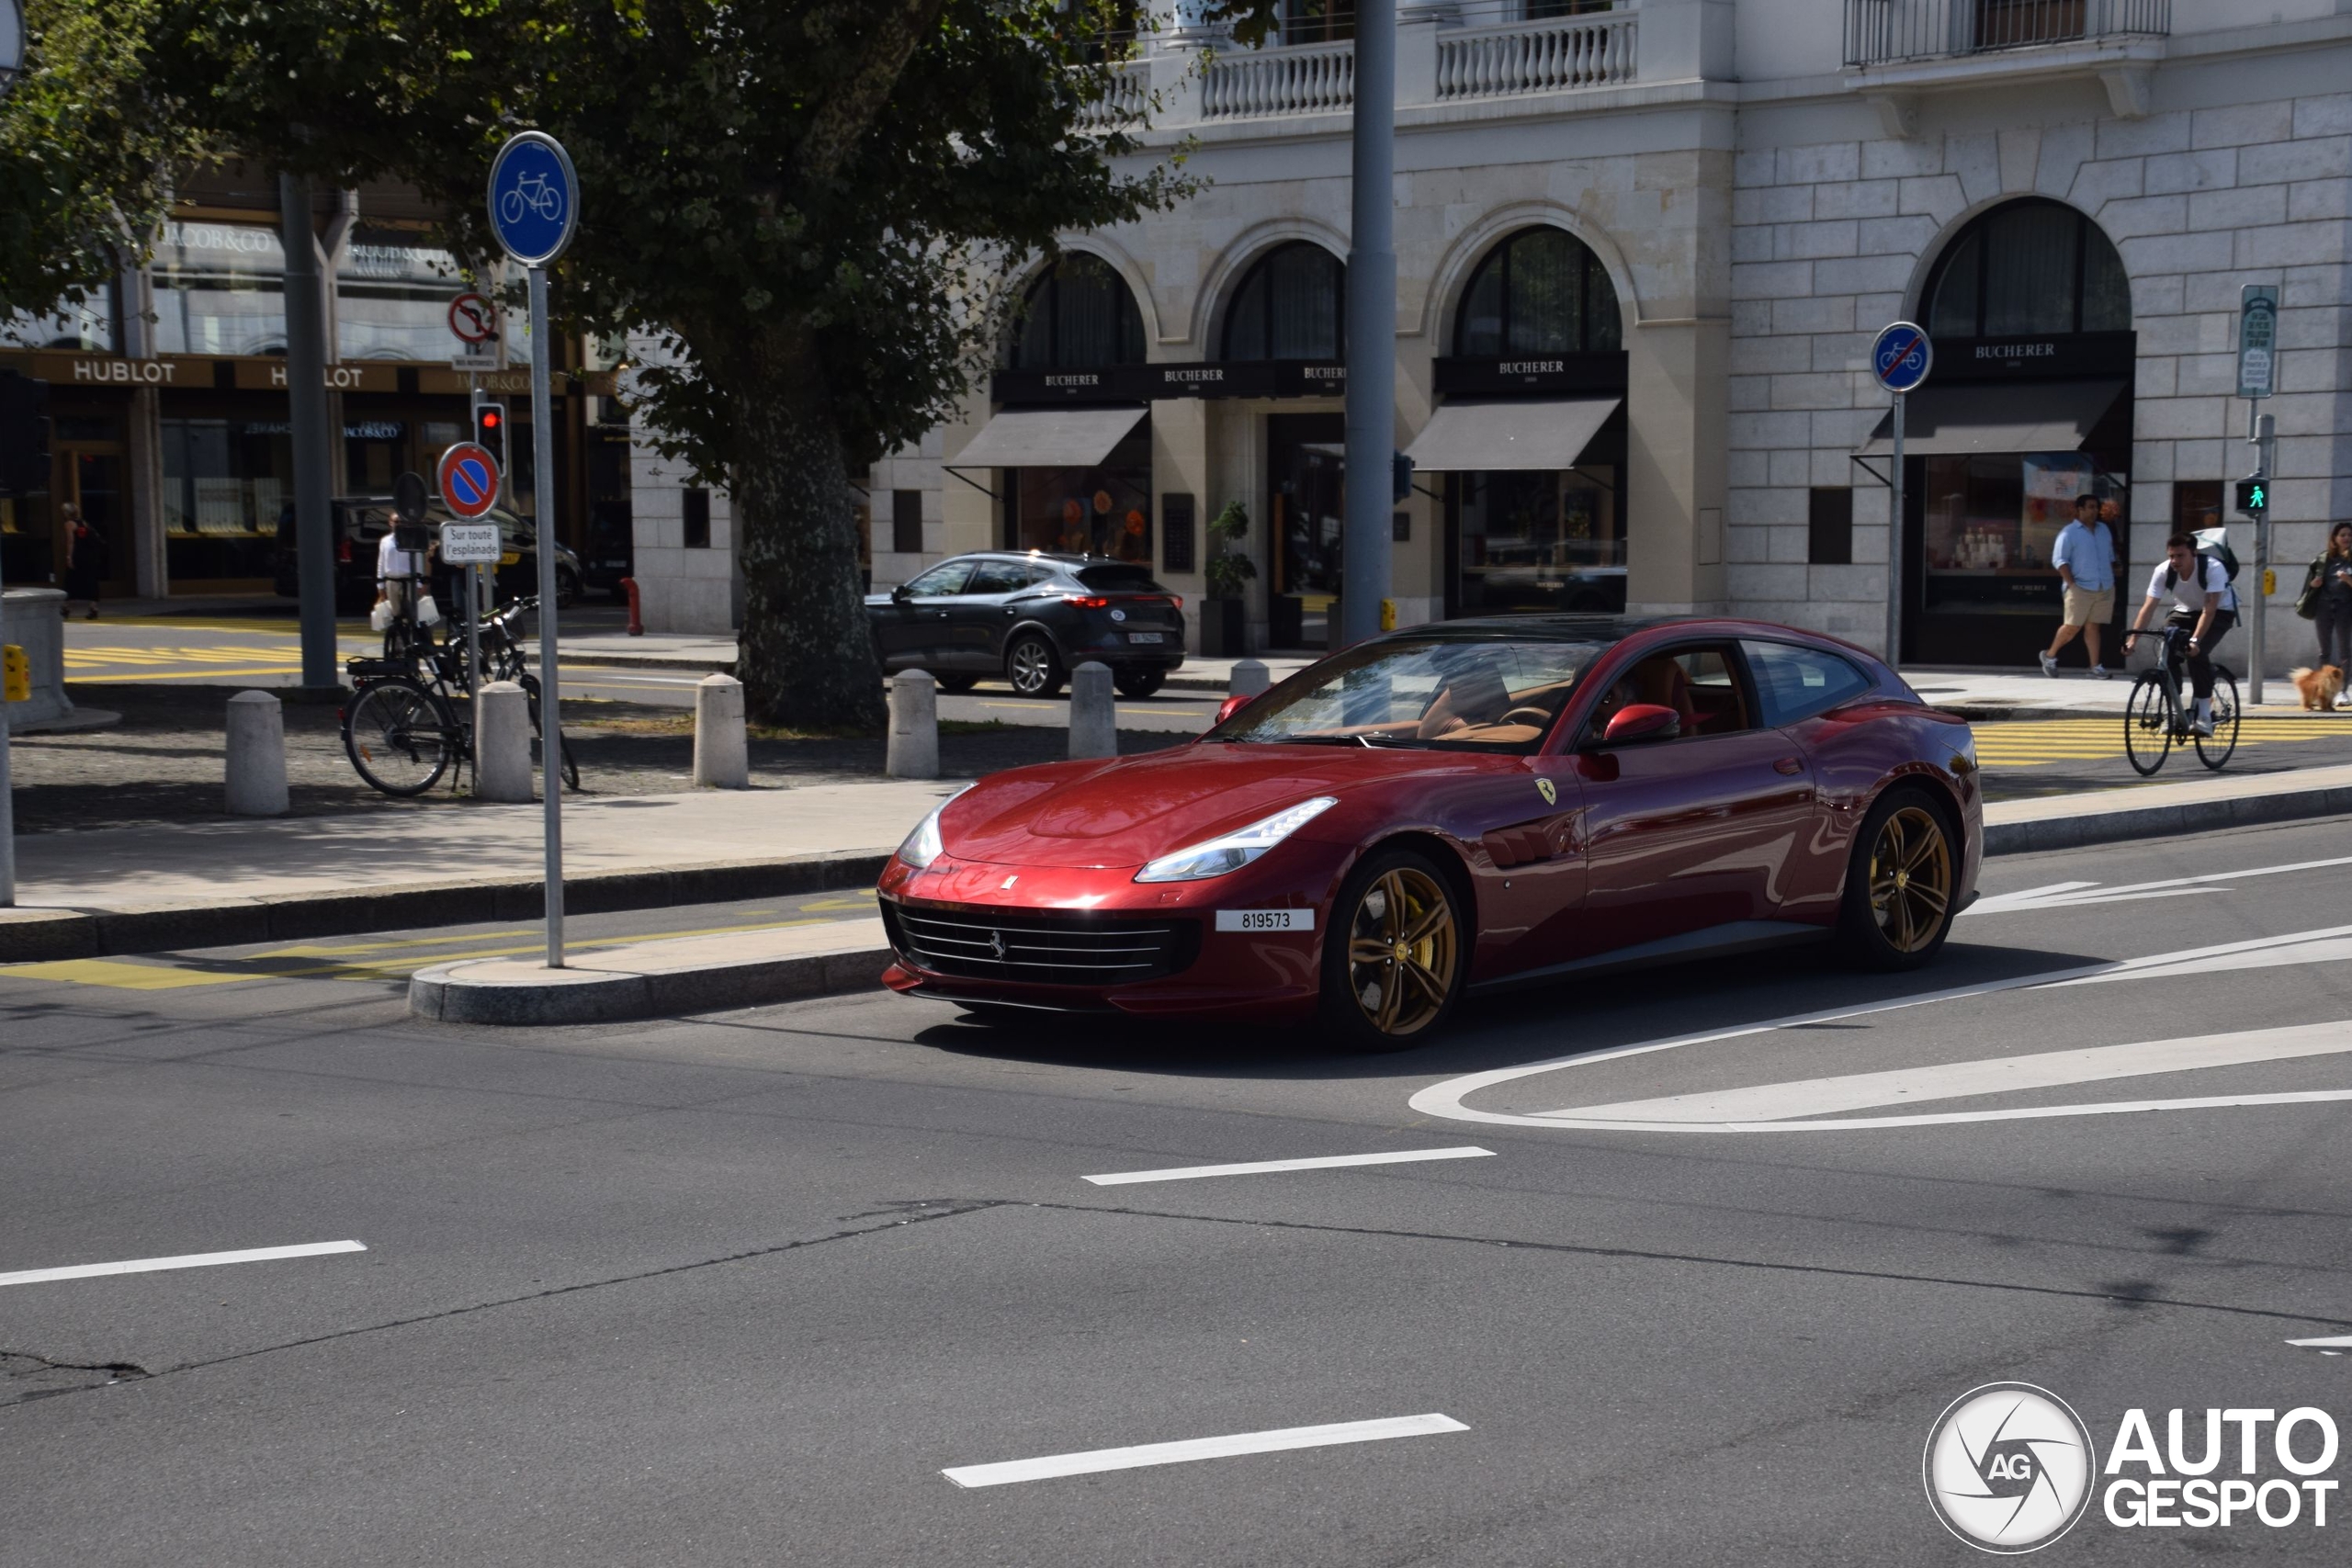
(1396, 954)
(567, 587)
(1139, 683)
(956, 684)
(399, 736)
(2217, 748)
(2148, 723)
(1901, 882)
(1032, 667)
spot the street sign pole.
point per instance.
(1371, 323)
(1901, 356)
(1894, 548)
(2258, 373)
(7, 796)
(550, 704)
(534, 208)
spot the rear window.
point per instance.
(1119, 580)
(1797, 682)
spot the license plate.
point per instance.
(1265, 919)
(1142, 637)
(512, 558)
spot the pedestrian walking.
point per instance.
(2084, 556)
(2326, 598)
(86, 561)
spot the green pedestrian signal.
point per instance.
(2254, 497)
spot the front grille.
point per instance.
(1041, 950)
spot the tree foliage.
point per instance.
(87, 151)
(800, 197)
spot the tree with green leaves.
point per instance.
(86, 153)
(805, 200)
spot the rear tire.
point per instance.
(1032, 667)
(1902, 883)
(399, 736)
(2147, 724)
(956, 684)
(1396, 953)
(1139, 683)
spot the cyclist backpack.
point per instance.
(2212, 543)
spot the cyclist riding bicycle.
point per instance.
(2203, 602)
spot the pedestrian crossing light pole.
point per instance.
(2257, 360)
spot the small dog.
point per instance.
(2319, 687)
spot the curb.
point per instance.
(2147, 821)
(590, 997)
(685, 664)
(38, 936)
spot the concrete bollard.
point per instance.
(503, 770)
(1248, 678)
(256, 755)
(1093, 722)
(722, 760)
(914, 726)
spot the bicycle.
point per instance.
(411, 716)
(2155, 719)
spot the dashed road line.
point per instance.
(1095, 1460)
(186, 1261)
(1263, 1167)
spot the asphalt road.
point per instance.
(739, 1289)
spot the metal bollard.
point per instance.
(256, 755)
(722, 760)
(914, 726)
(502, 771)
(1093, 722)
(1248, 678)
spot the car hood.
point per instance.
(1123, 812)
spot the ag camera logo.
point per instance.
(2008, 1468)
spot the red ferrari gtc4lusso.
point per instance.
(1450, 810)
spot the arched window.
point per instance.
(1289, 306)
(1541, 291)
(1078, 315)
(2030, 267)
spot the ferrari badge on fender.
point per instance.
(1544, 788)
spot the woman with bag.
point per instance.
(2326, 598)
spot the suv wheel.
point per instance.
(1032, 667)
(1140, 682)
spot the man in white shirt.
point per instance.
(401, 574)
(2202, 599)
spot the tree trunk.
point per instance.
(807, 655)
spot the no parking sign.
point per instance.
(468, 480)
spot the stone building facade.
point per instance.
(1669, 409)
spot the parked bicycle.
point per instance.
(410, 720)
(2155, 718)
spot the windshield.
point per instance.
(1430, 695)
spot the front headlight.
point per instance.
(1236, 849)
(923, 845)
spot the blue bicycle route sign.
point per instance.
(1901, 356)
(533, 198)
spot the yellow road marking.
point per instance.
(110, 678)
(118, 976)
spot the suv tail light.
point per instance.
(1089, 601)
(343, 551)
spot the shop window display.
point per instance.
(220, 288)
(1101, 510)
(1990, 523)
(1540, 540)
(225, 484)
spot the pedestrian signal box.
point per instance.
(2253, 497)
(15, 675)
(489, 431)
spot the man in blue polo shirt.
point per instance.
(2084, 556)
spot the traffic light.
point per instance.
(490, 430)
(2253, 497)
(23, 435)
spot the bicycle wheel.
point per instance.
(2215, 749)
(399, 736)
(2147, 723)
(530, 684)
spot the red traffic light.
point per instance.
(491, 419)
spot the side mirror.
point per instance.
(1638, 722)
(1231, 706)
(901, 593)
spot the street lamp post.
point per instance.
(12, 62)
(1370, 325)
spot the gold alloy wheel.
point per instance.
(1403, 944)
(1911, 879)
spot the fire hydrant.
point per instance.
(636, 619)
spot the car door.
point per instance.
(914, 623)
(1695, 832)
(973, 638)
(1809, 694)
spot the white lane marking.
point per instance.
(1255, 1168)
(1192, 1448)
(188, 1260)
(2331, 1342)
(2327, 946)
(1782, 1103)
(1444, 1098)
(2068, 894)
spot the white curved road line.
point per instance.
(1445, 1098)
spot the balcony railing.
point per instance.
(1881, 32)
(1317, 80)
(1123, 105)
(1536, 57)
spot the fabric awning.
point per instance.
(1995, 416)
(1463, 438)
(1047, 438)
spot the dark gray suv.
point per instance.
(1031, 618)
